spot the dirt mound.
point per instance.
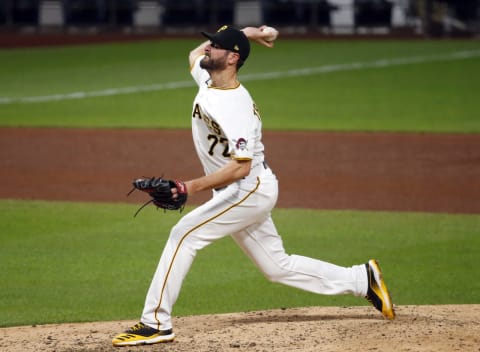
(417, 328)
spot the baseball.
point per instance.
(272, 33)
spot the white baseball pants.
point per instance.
(242, 210)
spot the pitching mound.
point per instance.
(417, 328)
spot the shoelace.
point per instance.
(137, 326)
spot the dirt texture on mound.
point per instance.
(417, 328)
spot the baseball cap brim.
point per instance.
(217, 39)
(210, 36)
(230, 39)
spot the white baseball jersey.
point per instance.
(225, 124)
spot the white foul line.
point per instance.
(458, 55)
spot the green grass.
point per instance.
(436, 96)
(66, 261)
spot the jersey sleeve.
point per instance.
(242, 129)
(242, 148)
(200, 75)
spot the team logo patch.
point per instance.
(241, 143)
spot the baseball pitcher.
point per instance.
(227, 134)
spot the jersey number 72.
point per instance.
(215, 140)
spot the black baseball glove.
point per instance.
(160, 191)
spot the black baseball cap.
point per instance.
(231, 39)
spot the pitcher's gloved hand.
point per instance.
(165, 194)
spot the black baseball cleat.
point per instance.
(377, 293)
(141, 334)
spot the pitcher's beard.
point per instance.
(210, 64)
